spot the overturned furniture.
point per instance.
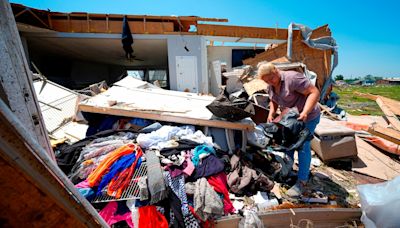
(333, 141)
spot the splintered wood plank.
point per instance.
(388, 113)
(386, 133)
(254, 86)
(393, 105)
(374, 163)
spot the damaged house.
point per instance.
(79, 49)
(158, 121)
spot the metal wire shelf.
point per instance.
(132, 192)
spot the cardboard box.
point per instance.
(333, 141)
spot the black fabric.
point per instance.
(209, 166)
(173, 203)
(289, 133)
(271, 130)
(127, 39)
(99, 122)
(263, 162)
(122, 208)
(184, 145)
(232, 108)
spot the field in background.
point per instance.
(361, 106)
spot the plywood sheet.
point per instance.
(374, 163)
(367, 120)
(254, 86)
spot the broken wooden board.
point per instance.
(325, 110)
(394, 105)
(386, 133)
(254, 86)
(320, 217)
(388, 113)
(158, 104)
(374, 163)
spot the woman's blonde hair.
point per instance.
(265, 68)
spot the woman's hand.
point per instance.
(302, 117)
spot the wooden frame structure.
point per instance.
(36, 192)
(82, 22)
(316, 60)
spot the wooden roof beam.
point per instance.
(250, 32)
(119, 16)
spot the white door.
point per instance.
(186, 70)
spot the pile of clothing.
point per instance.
(189, 182)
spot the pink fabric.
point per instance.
(83, 184)
(108, 214)
(189, 168)
(219, 183)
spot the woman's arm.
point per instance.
(312, 95)
(273, 106)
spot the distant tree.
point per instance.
(378, 78)
(369, 78)
(339, 77)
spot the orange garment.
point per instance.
(118, 185)
(95, 177)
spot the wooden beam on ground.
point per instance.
(388, 113)
(386, 133)
(366, 95)
(394, 105)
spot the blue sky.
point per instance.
(366, 32)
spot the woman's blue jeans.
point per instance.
(304, 153)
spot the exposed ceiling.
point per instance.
(153, 52)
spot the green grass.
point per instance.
(362, 106)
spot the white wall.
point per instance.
(197, 47)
